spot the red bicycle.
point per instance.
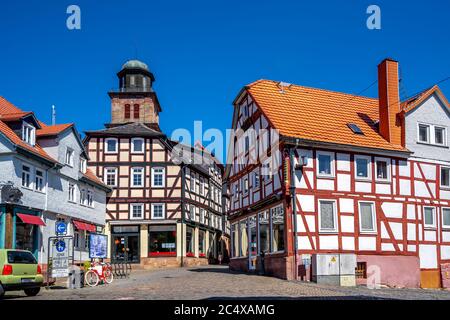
(98, 272)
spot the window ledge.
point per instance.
(358, 179)
(433, 144)
(319, 176)
(383, 181)
(328, 232)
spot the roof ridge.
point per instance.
(313, 88)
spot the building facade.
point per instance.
(45, 167)
(165, 208)
(354, 179)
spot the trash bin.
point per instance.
(76, 279)
(81, 278)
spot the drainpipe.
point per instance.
(183, 181)
(294, 209)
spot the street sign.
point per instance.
(60, 246)
(60, 256)
(61, 228)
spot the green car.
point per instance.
(19, 270)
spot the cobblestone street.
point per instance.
(216, 282)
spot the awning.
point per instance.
(84, 226)
(27, 218)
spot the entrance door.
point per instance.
(125, 248)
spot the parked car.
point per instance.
(19, 270)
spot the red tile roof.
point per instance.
(14, 138)
(7, 107)
(320, 115)
(52, 130)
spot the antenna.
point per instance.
(53, 115)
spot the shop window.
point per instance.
(253, 236)
(25, 236)
(244, 238)
(235, 239)
(162, 240)
(190, 251)
(202, 243)
(277, 214)
(264, 232)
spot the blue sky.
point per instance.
(203, 52)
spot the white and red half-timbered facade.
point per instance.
(361, 184)
(163, 211)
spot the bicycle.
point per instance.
(97, 272)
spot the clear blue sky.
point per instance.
(203, 52)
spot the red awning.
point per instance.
(27, 218)
(84, 226)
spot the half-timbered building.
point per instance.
(359, 190)
(165, 208)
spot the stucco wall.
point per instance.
(431, 111)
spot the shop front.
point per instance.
(20, 228)
(162, 241)
(125, 246)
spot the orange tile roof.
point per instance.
(52, 130)
(416, 100)
(320, 115)
(91, 176)
(7, 107)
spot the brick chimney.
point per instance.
(390, 126)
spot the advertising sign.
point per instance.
(98, 246)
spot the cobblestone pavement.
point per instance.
(216, 282)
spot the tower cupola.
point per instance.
(135, 76)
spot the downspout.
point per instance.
(183, 181)
(41, 253)
(294, 209)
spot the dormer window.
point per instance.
(28, 133)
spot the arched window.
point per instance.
(136, 111)
(127, 111)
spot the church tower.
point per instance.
(135, 100)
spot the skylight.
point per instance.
(355, 128)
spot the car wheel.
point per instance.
(31, 292)
(2, 292)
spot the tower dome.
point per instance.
(135, 76)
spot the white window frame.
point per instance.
(72, 199)
(369, 167)
(30, 176)
(36, 170)
(374, 217)
(132, 145)
(444, 226)
(388, 169)
(432, 134)
(163, 177)
(335, 230)
(444, 144)
(429, 226)
(419, 124)
(83, 165)
(332, 164)
(106, 176)
(163, 211)
(443, 186)
(142, 174)
(83, 196)
(106, 145)
(28, 133)
(132, 206)
(90, 198)
(69, 161)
